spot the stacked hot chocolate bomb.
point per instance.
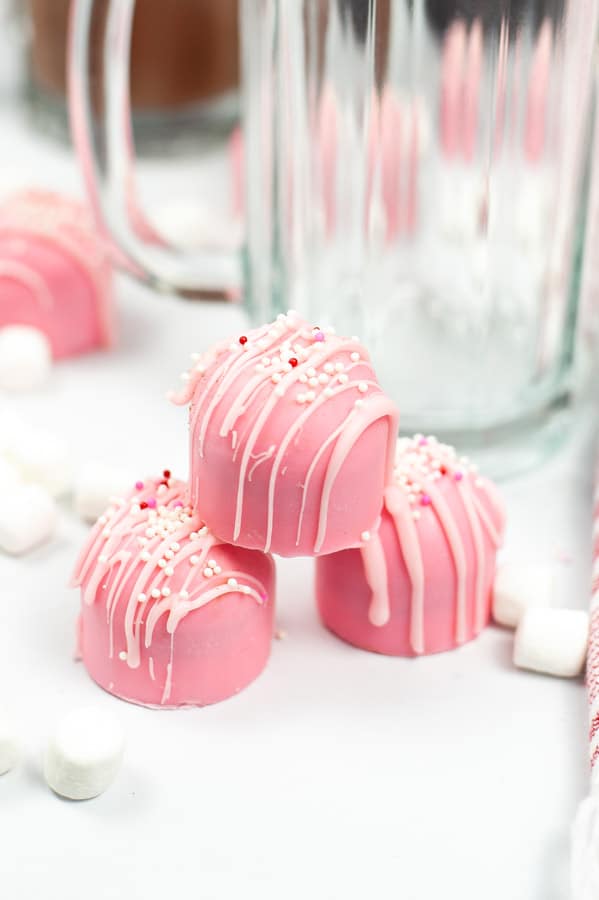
(293, 451)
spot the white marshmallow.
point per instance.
(520, 587)
(9, 475)
(553, 641)
(9, 745)
(84, 754)
(95, 484)
(28, 517)
(41, 456)
(25, 357)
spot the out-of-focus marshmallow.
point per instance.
(28, 518)
(520, 587)
(552, 641)
(9, 744)
(9, 475)
(41, 456)
(25, 358)
(95, 484)
(84, 754)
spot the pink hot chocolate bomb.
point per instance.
(292, 439)
(170, 616)
(55, 274)
(422, 582)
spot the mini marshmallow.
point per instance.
(95, 484)
(520, 587)
(40, 456)
(9, 745)
(552, 641)
(9, 475)
(25, 358)
(84, 754)
(28, 517)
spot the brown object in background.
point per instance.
(183, 52)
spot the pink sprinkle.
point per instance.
(319, 336)
(425, 500)
(139, 485)
(422, 442)
(179, 503)
(152, 503)
(458, 476)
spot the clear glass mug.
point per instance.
(414, 173)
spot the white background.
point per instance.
(338, 774)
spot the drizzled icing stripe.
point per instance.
(30, 279)
(420, 463)
(148, 537)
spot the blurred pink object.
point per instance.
(55, 273)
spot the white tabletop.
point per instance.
(339, 773)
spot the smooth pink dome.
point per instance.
(170, 615)
(292, 439)
(422, 582)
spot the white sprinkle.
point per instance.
(416, 514)
(102, 520)
(217, 570)
(155, 593)
(323, 379)
(175, 547)
(244, 589)
(329, 368)
(259, 367)
(275, 378)
(123, 655)
(234, 347)
(303, 378)
(281, 317)
(141, 598)
(166, 592)
(365, 536)
(102, 558)
(301, 398)
(169, 571)
(313, 382)
(362, 387)
(211, 563)
(232, 582)
(339, 367)
(359, 403)
(196, 356)
(184, 595)
(355, 357)
(208, 572)
(144, 556)
(328, 392)
(150, 533)
(161, 563)
(266, 361)
(311, 372)
(168, 554)
(279, 391)
(194, 560)
(310, 395)
(200, 369)
(203, 530)
(343, 378)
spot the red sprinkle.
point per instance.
(443, 470)
(293, 361)
(167, 473)
(243, 340)
(143, 505)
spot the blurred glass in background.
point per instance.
(416, 172)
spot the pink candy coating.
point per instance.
(292, 440)
(171, 616)
(55, 274)
(422, 583)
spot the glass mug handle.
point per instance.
(108, 166)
